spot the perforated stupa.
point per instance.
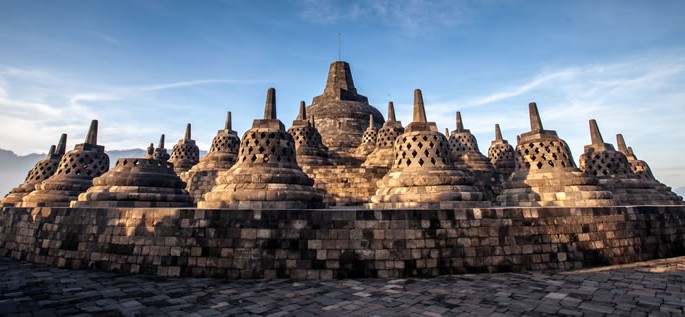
(40, 172)
(308, 147)
(185, 154)
(266, 174)
(501, 154)
(382, 155)
(137, 182)
(465, 152)
(368, 140)
(546, 174)
(423, 175)
(74, 175)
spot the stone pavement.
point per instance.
(654, 288)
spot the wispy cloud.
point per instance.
(104, 37)
(191, 83)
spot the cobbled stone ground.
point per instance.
(654, 288)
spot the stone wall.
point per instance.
(339, 243)
(345, 185)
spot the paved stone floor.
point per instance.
(654, 288)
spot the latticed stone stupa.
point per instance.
(368, 140)
(501, 154)
(222, 154)
(308, 147)
(340, 113)
(266, 174)
(614, 172)
(382, 155)
(40, 172)
(74, 175)
(641, 168)
(546, 174)
(423, 175)
(137, 182)
(185, 154)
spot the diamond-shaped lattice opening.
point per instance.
(421, 162)
(420, 145)
(414, 153)
(539, 165)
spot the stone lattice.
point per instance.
(40, 172)
(467, 157)
(501, 154)
(185, 153)
(368, 141)
(266, 174)
(614, 172)
(137, 182)
(309, 149)
(382, 155)
(423, 174)
(222, 154)
(340, 113)
(546, 175)
(74, 175)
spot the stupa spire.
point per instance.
(391, 111)
(595, 135)
(161, 142)
(535, 122)
(51, 152)
(303, 112)
(498, 133)
(447, 132)
(187, 135)
(61, 146)
(228, 125)
(270, 108)
(370, 121)
(92, 136)
(419, 109)
(621, 143)
(460, 124)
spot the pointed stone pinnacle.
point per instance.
(62, 145)
(447, 132)
(92, 136)
(151, 149)
(313, 122)
(460, 125)
(51, 152)
(228, 121)
(161, 142)
(595, 135)
(303, 111)
(621, 143)
(187, 136)
(631, 153)
(391, 112)
(419, 109)
(370, 121)
(498, 133)
(535, 122)
(270, 108)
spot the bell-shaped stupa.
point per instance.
(159, 153)
(382, 155)
(341, 113)
(308, 147)
(137, 182)
(642, 169)
(368, 141)
(74, 174)
(546, 175)
(614, 173)
(423, 175)
(40, 172)
(465, 152)
(222, 154)
(266, 174)
(185, 153)
(501, 154)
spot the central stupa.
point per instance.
(340, 113)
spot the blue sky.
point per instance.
(148, 67)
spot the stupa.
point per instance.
(159, 153)
(382, 155)
(185, 153)
(74, 175)
(501, 154)
(368, 141)
(614, 173)
(642, 169)
(137, 182)
(340, 112)
(266, 174)
(423, 175)
(308, 147)
(465, 152)
(546, 174)
(40, 172)
(222, 154)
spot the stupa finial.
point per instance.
(92, 136)
(595, 135)
(228, 121)
(535, 122)
(621, 143)
(187, 135)
(270, 108)
(303, 111)
(371, 121)
(498, 133)
(419, 109)
(447, 132)
(460, 125)
(161, 142)
(151, 149)
(51, 152)
(391, 111)
(61, 146)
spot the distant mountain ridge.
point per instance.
(14, 168)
